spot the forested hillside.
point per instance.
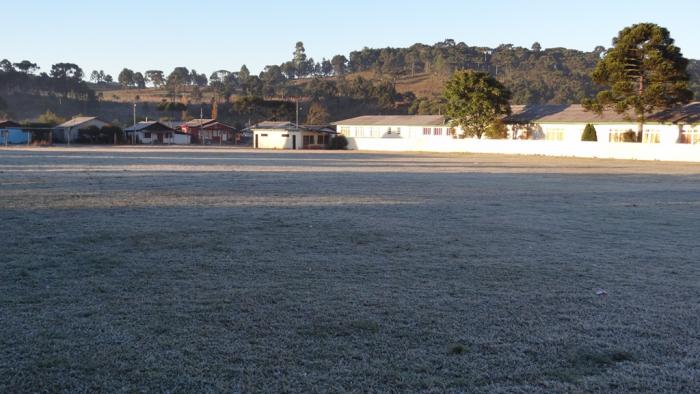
(386, 80)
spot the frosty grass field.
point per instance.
(195, 269)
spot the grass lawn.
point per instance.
(194, 269)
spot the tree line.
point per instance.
(532, 76)
(644, 72)
(64, 80)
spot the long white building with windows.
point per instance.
(395, 126)
(551, 130)
(566, 123)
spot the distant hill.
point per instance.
(370, 80)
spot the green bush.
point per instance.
(338, 142)
(589, 133)
(497, 130)
(96, 135)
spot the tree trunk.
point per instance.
(642, 119)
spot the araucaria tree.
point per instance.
(589, 133)
(644, 72)
(475, 100)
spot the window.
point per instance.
(651, 137)
(437, 131)
(359, 131)
(372, 132)
(168, 135)
(263, 135)
(426, 131)
(147, 134)
(285, 135)
(554, 135)
(309, 140)
(690, 136)
(620, 135)
(324, 139)
(344, 130)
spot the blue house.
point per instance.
(12, 133)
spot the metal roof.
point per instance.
(274, 125)
(146, 125)
(394, 120)
(575, 113)
(291, 126)
(77, 121)
(199, 122)
(9, 123)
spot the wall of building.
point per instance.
(395, 131)
(71, 134)
(276, 139)
(283, 139)
(601, 149)
(181, 139)
(606, 132)
(13, 136)
(176, 138)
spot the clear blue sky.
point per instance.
(209, 35)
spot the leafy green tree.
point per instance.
(475, 100)
(244, 74)
(497, 130)
(6, 66)
(589, 133)
(126, 78)
(26, 67)
(321, 89)
(272, 79)
(300, 59)
(318, 114)
(219, 76)
(326, 67)
(536, 47)
(289, 69)
(339, 63)
(198, 79)
(179, 77)
(66, 71)
(95, 76)
(644, 72)
(98, 76)
(155, 77)
(139, 80)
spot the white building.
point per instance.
(286, 135)
(155, 133)
(416, 127)
(567, 122)
(69, 131)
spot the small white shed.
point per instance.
(287, 135)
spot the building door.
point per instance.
(294, 142)
(256, 141)
(160, 137)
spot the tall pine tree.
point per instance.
(644, 72)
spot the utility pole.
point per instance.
(133, 135)
(297, 122)
(201, 116)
